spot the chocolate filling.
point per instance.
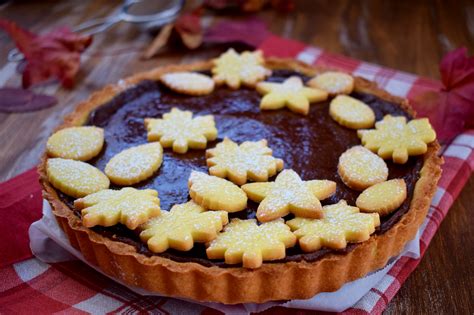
(310, 145)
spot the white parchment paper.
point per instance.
(49, 244)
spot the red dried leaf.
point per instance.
(283, 6)
(188, 27)
(252, 31)
(52, 55)
(13, 100)
(451, 110)
(457, 73)
(223, 4)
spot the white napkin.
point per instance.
(49, 244)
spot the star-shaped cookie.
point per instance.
(249, 160)
(341, 224)
(235, 69)
(245, 241)
(291, 93)
(178, 129)
(181, 227)
(128, 206)
(394, 138)
(289, 194)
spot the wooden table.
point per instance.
(406, 35)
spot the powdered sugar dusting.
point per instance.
(75, 178)
(360, 168)
(188, 83)
(135, 164)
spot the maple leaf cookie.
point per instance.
(179, 130)
(128, 206)
(181, 227)
(215, 193)
(76, 143)
(333, 82)
(134, 164)
(249, 160)
(190, 83)
(360, 168)
(394, 138)
(75, 178)
(235, 69)
(289, 194)
(383, 198)
(351, 113)
(243, 241)
(291, 93)
(341, 224)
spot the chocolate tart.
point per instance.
(309, 144)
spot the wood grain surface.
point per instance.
(406, 35)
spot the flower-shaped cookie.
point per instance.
(134, 164)
(291, 93)
(75, 178)
(181, 227)
(76, 143)
(288, 193)
(245, 241)
(394, 138)
(178, 129)
(341, 224)
(128, 206)
(215, 193)
(234, 69)
(249, 160)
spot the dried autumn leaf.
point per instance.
(250, 5)
(14, 100)
(450, 110)
(188, 26)
(53, 55)
(252, 31)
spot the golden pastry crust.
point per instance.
(289, 280)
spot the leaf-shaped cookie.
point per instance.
(249, 160)
(341, 224)
(190, 83)
(181, 227)
(291, 93)
(360, 168)
(333, 82)
(128, 206)
(75, 178)
(245, 241)
(384, 197)
(215, 193)
(394, 138)
(288, 193)
(134, 164)
(178, 129)
(235, 69)
(351, 113)
(76, 143)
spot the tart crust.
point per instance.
(272, 281)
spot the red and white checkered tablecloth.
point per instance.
(72, 287)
